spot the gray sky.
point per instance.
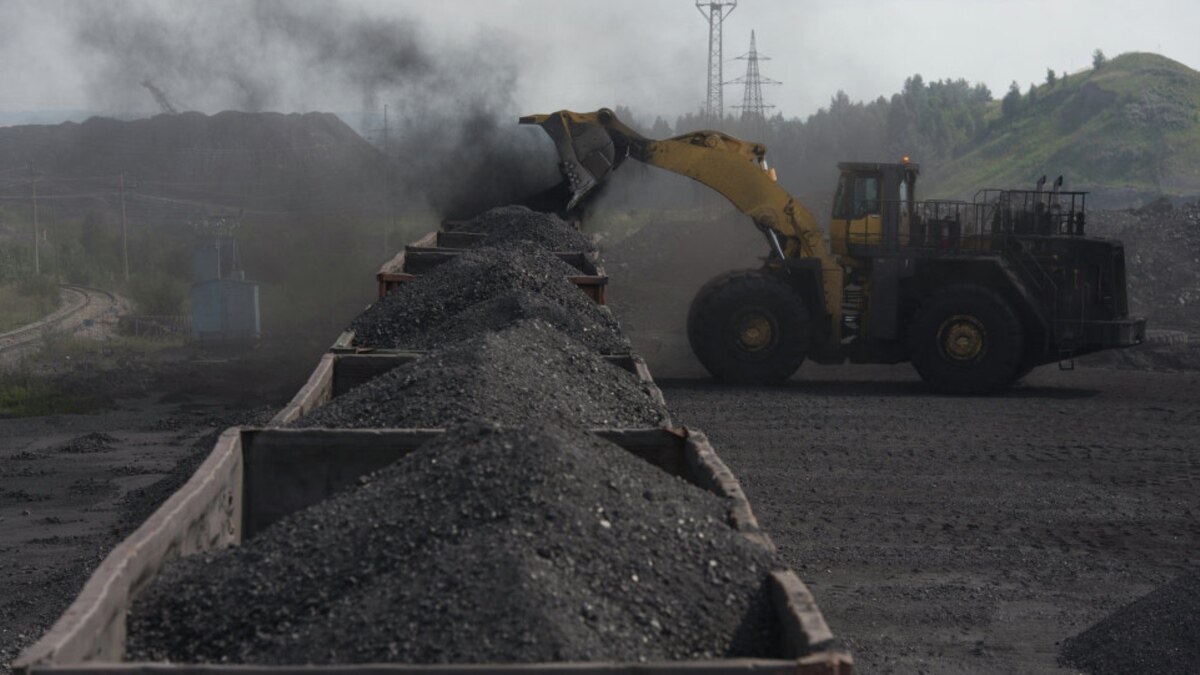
(647, 54)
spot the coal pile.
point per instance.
(291, 159)
(526, 374)
(570, 313)
(1162, 254)
(486, 289)
(483, 546)
(1158, 633)
(521, 224)
(88, 444)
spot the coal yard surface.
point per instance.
(1049, 528)
(482, 546)
(511, 455)
(949, 535)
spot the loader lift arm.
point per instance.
(592, 145)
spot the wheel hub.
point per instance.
(961, 337)
(754, 331)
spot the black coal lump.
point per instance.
(483, 546)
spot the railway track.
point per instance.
(81, 303)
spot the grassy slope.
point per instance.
(1131, 125)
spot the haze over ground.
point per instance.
(80, 58)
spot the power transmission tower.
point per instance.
(715, 11)
(754, 111)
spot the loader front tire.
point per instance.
(748, 327)
(966, 339)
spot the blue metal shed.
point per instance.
(225, 310)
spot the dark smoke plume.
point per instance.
(454, 139)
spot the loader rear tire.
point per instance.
(748, 327)
(966, 339)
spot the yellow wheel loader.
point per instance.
(975, 294)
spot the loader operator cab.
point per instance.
(873, 205)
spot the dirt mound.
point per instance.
(527, 374)
(1157, 633)
(425, 312)
(482, 546)
(521, 224)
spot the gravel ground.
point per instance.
(525, 374)
(492, 287)
(1158, 633)
(950, 535)
(520, 224)
(482, 546)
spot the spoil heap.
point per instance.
(524, 374)
(1157, 633)
(521, 224)
(482, 290)
(482, 546)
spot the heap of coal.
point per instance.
(486, 289)
(292, 160)
(1162, 255)
(1157, 633)
(483, 546)
(526, 374)
(519, 223)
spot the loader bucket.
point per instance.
(585, 149)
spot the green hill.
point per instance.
(1128, 129)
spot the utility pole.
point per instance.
(715, 11)
(124, 231)
(37, 263)
(391, 188)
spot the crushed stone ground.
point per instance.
(483, 546)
